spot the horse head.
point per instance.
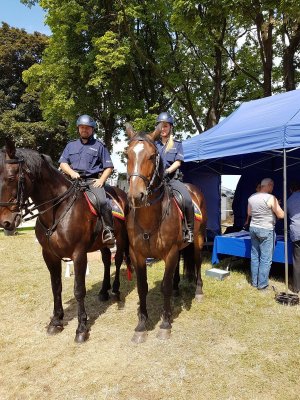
(144, 167)
(13, 183)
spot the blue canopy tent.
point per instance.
(260, 139)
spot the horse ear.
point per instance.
(129, 130)
(10, 148)
(155, 134)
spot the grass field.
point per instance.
(237, 344)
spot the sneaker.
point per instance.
(264, 289)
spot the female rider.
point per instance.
(171, 153)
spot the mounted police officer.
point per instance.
(171, 152)
(88, 158)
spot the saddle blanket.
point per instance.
(197, 211)
(117, 210)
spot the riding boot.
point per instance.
(189, 215)
(108, 236)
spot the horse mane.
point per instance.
(32, 158)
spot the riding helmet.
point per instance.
(86, 120)
(165, 117)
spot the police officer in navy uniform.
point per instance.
(89, 157)
(171, 152)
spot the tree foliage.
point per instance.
(20, 115)
(131, 59)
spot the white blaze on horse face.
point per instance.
(137, 149)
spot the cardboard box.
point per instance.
(217, 273)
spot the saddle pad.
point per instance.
(197, 211)
(117, 210)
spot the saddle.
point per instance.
(111, 196)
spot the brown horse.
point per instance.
(65, 227)
(154, 226)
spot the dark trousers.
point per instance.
(187, 202)
(105, 207)
(296, 266)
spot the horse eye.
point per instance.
(11, 178)
(152, 157)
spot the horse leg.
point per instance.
(116, 283)
(106, 258)
(80, 264)
(198, 262)
(176, 280)
(140, 334)
(54, 266)
(170, 265)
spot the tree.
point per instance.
(20, 116)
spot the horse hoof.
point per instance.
(103, 296)
(139, 337)
(54, 329)
(164, 334)
(199, 298)
(116, 295)
(81, 337)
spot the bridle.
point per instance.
(150, 189)
(19, 201)
(25, 207)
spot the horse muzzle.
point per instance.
(10, 221)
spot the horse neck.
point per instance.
(149, 216)
(49, 185)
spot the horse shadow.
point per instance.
(94, 307)
(179, 303)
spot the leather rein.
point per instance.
(26, 207)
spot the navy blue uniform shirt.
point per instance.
(91, 157)
(174, 154)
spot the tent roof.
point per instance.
(256, 126)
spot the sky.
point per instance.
(18, 15)
(31, 19)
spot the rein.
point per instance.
(24, 206)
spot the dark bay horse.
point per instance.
(154, 226)
(65, 227)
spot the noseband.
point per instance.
(149, 182)
(19, 201)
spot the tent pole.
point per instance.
(286, 265)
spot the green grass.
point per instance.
(237, 344)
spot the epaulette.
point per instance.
(99, 140)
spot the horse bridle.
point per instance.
(19, 201)
(149, 182)
(26, 206)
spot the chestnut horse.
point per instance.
(154, 226)
(65, 227)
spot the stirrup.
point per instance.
(108, 237)
(189, 237)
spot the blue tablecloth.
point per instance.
(239, 244)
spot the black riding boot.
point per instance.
(189, 215)
(108, 236)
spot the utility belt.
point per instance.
(84, 176)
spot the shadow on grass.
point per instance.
(243, 266)
(94, 307)
(182, 302)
